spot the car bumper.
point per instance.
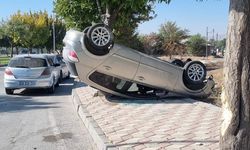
(27, 83)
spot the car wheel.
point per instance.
(195, 72)
(177, 62)
(86, 30)
(9, 91)
(99, 39)
(68, 76)
(60, 78)
(51, 89)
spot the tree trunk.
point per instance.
(17, 50)
(30, 50)
(11, 53)
(235, 129)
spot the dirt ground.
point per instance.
(214, 67)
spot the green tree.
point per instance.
(152, 44)
(10, 31)
(221, 44)
(123, 15)
(60, 31)
(35, 32)
(4, 41)
(196, 45)
(173, 38)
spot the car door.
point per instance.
(124, 63)
(156, 73)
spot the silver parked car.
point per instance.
(30, 71)
(122, 71)
(61, 68)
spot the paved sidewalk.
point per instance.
(172, 123)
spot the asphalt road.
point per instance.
(35, 120)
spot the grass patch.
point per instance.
(4, 60)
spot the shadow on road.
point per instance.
(17, 104)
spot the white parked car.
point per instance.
(122, 71)
(60, 65)
(30, 71)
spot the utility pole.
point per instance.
(206, 42)
(213, 44)
(53, 30)
(54, 36)
(213, 34)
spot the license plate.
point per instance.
(26, 83)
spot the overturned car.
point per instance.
(97, 61)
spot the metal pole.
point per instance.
(53, 29)
(207, 43)
(54, 36)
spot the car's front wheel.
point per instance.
(51, 89)
(195, 72)
(99, 39)
(9, 91)
(68, 75)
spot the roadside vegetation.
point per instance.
(4, 60)
(32, 30)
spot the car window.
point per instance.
(27, 62)
(50, 62)
(59, 59)
(120, 85)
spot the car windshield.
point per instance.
(27, 62)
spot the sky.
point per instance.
(192, 15)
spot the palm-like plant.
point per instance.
(173, 37)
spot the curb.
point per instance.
(95, 131)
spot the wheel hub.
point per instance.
(195, 72)
(100, 36)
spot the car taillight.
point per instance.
(8, 72)
(73, 56)
(46, 72)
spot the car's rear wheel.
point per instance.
(51, 89)
(99, 39)
(61, 77)
(195, 72)
(9, 91)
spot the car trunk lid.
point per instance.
(27, 73)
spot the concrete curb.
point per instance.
(95, 131)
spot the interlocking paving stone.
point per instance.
(169, 123)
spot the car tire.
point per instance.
(51, 89)
(86, 30)
(177, 62)
(195, 72)
(60, 77)
(9, 91)
(99, 39)
(68, 76)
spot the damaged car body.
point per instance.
(122, 71)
